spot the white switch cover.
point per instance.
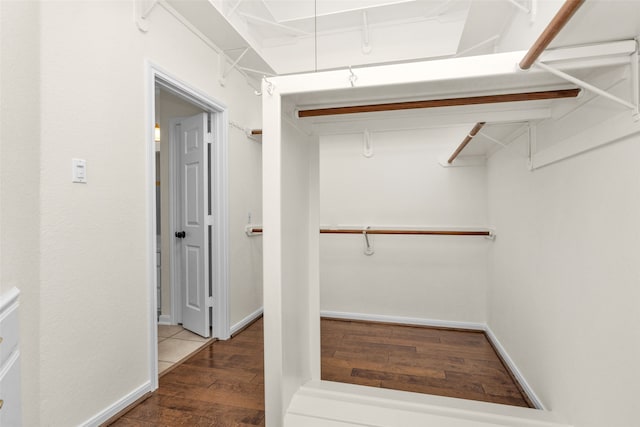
(79, 170)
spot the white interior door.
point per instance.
(193, 219)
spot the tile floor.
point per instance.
(175, 343)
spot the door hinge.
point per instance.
(210, 302)
(209, 220)
(208, 137)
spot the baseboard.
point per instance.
(514, 369)
(418, 321)
(446, 324)
(246, 321)
(164, 319)
(118, 406)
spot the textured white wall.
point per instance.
(430, 277)
(245, 183)
(79, 251)
(564, 279)
(19, 193)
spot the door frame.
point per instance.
(219, 242)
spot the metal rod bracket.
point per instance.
(368, 249)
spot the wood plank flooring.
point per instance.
(444, 362)
(223, 384)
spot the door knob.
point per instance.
(181, 234)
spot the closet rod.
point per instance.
(449, 102)
(550, 32)
(467, 139)
(386, 231)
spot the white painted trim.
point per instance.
(165, 319)
(118, 406)
(220, 237)
(176, 296)
(246, 321)
(176, 303)
(325, 403)
(152, 238)
(155, 74)
(8, 298)
(272, 258)
(478, 326)
(220, 197)
(514, 369)
(8, 364)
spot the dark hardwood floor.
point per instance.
(223, 384)
(445, 362)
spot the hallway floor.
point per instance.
(176, 343)
(223, 383)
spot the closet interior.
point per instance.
(419, 228)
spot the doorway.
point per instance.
(189, 211)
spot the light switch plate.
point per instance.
(79, 171)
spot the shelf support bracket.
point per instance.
(234, 8)
(226, 72)
(368, 249)
(588, 86)
(366, 42)
(367, 145)
(531, 10)
(492, 139)
(142, 14)
(635, 83)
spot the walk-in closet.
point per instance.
(491, 193)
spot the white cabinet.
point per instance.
(10, 415)
(10, 405)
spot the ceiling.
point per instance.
(293, 36)
(265, 37)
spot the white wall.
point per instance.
(564, 275)
(19, 192)
(402, 185)
(79, 252)
(245, 183)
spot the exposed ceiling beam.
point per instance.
(449, 102)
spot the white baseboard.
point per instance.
(118, 406)
(514, 369)
(446, 324)
(246, 321)
(404, 320)
(164, 319)
(332, 404)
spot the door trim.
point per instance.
(219, 206)
(176, 291)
